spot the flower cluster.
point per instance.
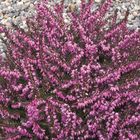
(74, 81)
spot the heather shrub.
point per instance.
(76, 81)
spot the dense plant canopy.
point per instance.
(75, 81)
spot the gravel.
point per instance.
(17, 10)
